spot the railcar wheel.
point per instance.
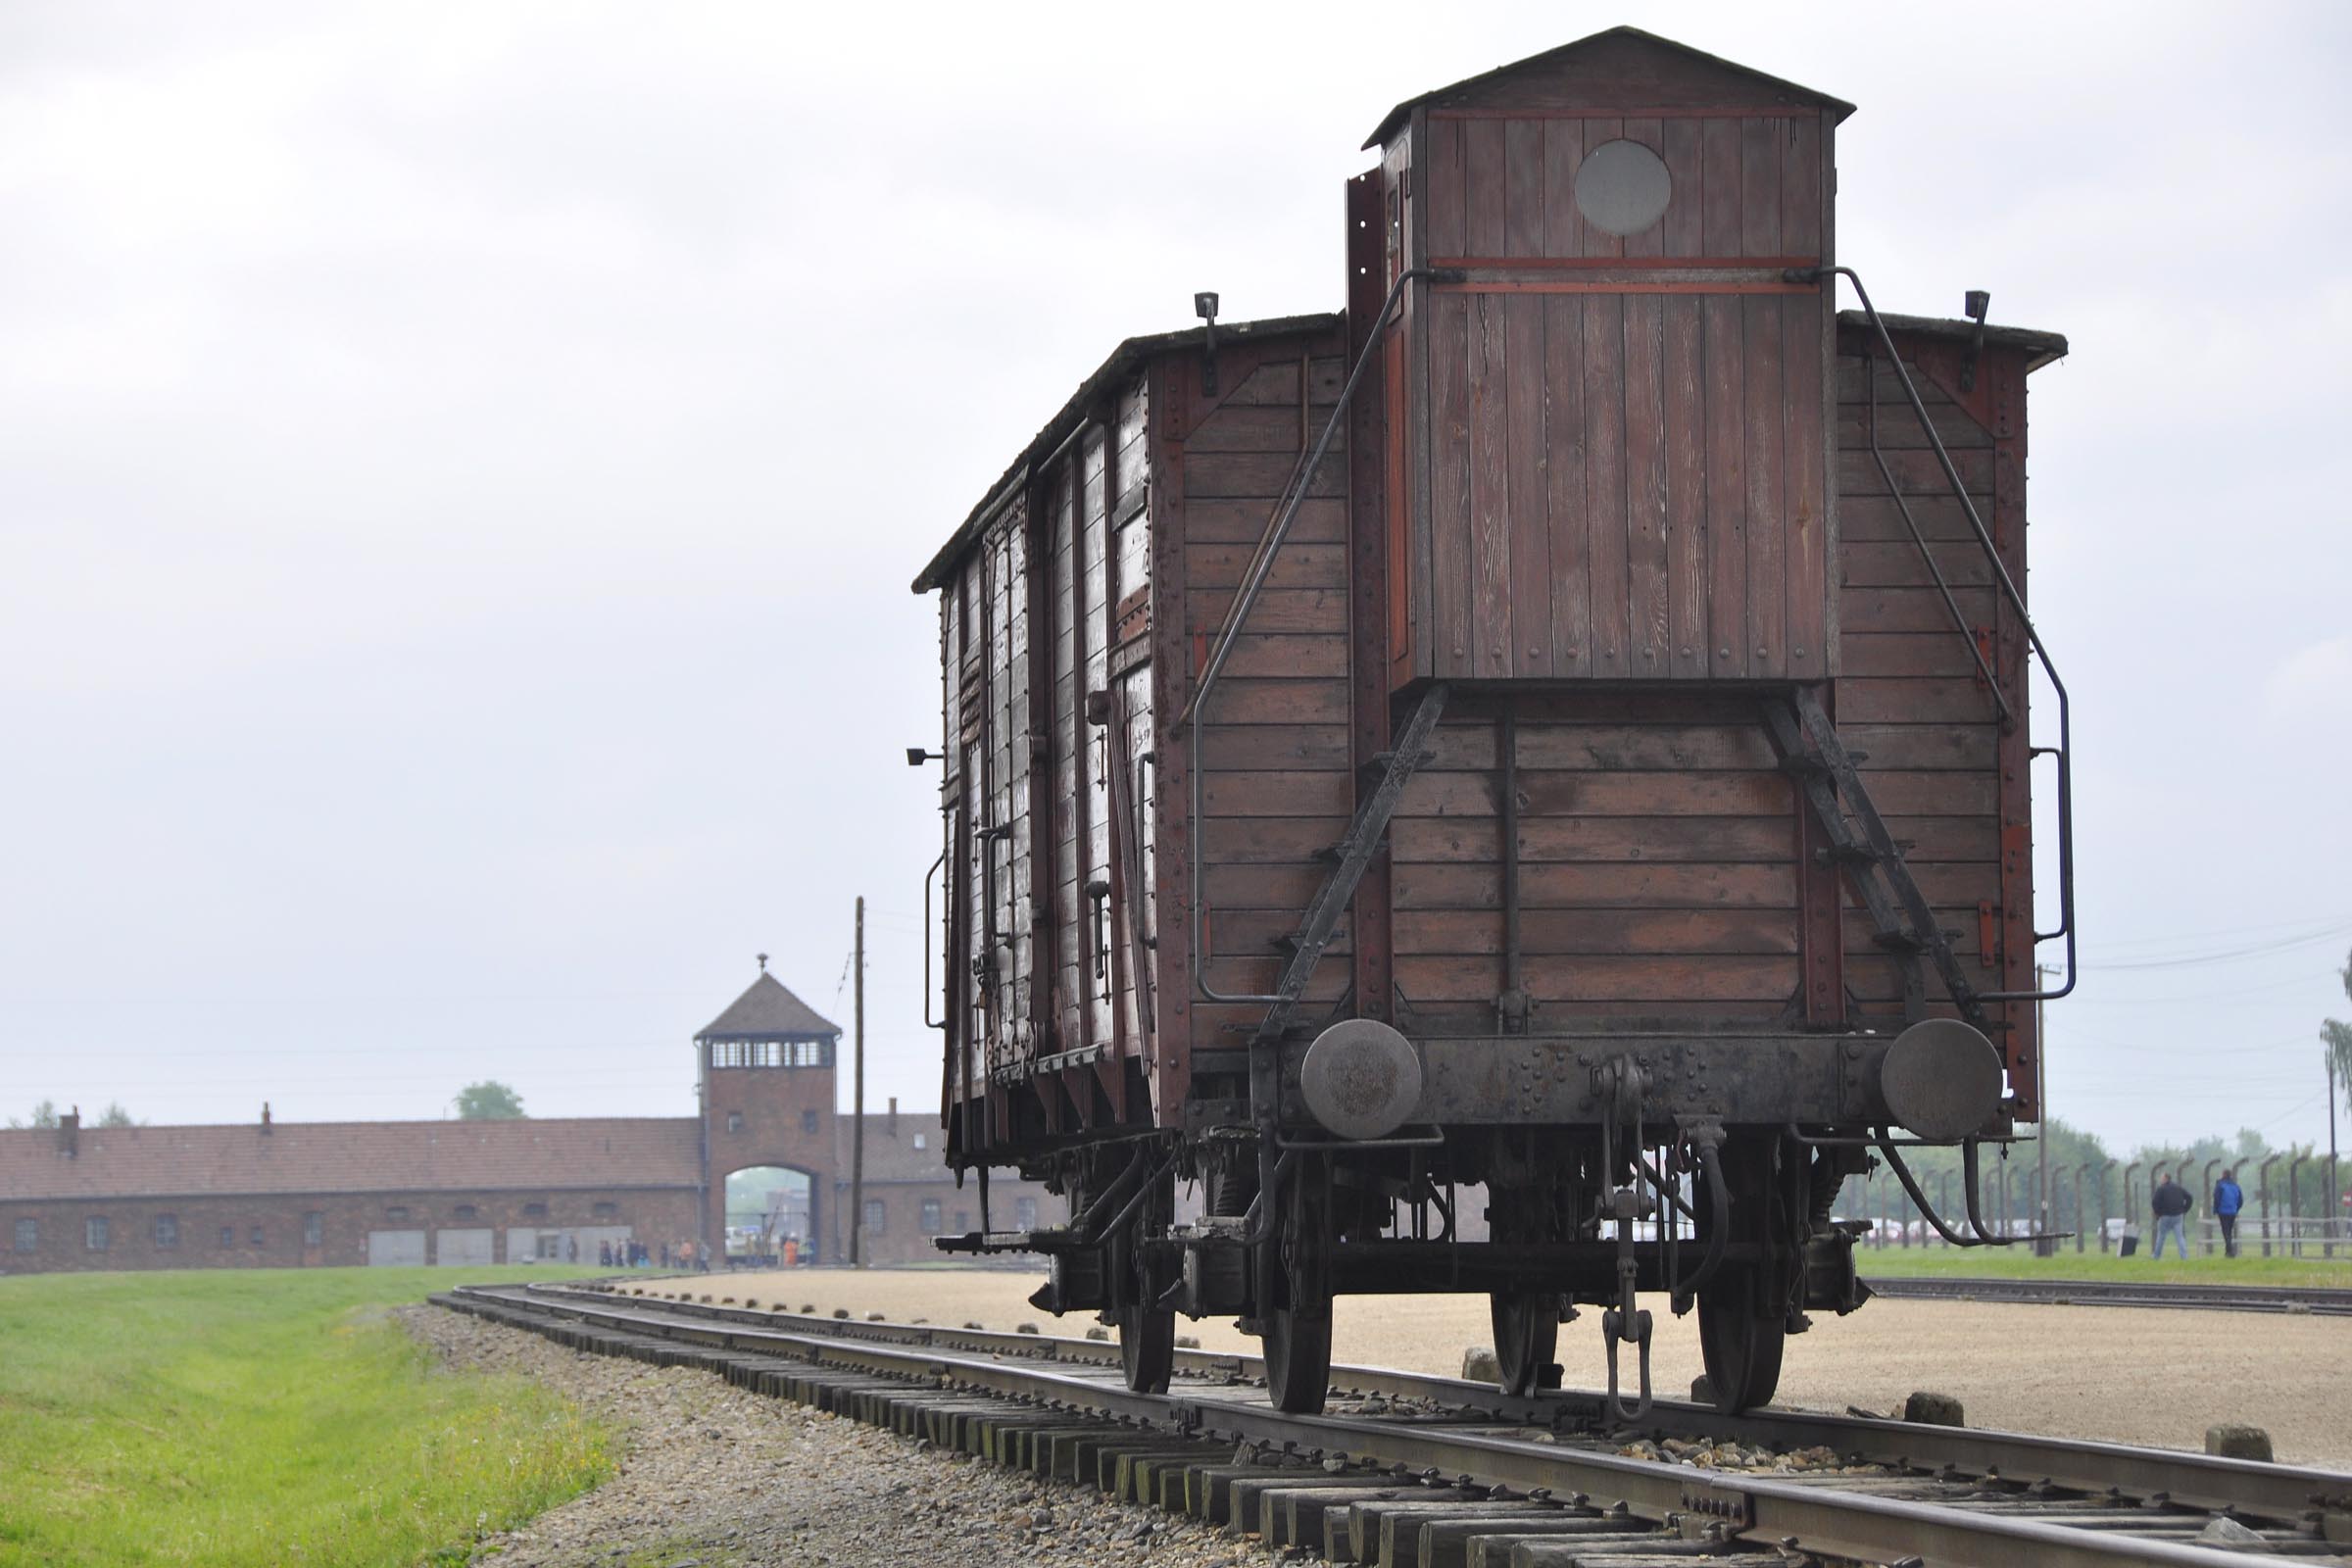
(1742, 1348)
(1527, 1338)
(1298, 1350)
(1297, 1323)
(1147, 1347)
(1147, 1330)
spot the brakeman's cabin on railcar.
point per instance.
(1558, 725)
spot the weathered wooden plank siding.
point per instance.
(1656, 863)
(1626, 479)
(1909, 696)
(1018, 735)
(1277, 786)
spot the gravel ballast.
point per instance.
(716, 1477)
(2158, 1375)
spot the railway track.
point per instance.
(1412, 1471)
(2325, 1302)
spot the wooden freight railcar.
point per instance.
(1558, 727)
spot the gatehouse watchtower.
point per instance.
(765, 1069)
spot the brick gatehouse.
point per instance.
(279, 1193)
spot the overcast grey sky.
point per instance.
(461, 467)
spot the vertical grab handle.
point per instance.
(930, 1022)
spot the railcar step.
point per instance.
(1058, 1238)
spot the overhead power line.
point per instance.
(2260, 949)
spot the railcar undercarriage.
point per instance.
(1608, 1168)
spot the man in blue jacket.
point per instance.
(2228, 1199)
(2171, 1204)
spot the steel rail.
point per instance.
(2317, 1300)
(1817, 1518)
(2203, 1481)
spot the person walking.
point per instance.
(2228, 1199)
(2171, 1204)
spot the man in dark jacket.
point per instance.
(2228, 1199)
(2172, 1203)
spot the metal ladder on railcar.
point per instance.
(1810, 750)
(1827, 776)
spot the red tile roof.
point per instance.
(355, 1156)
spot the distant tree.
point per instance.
(114, 1116)
(488, 1101)
(44, 1115)
(2336, 1036)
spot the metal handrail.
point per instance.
(930, 1022)
(2063, 750)
(1244, 598)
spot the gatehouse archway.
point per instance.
(769, 1218)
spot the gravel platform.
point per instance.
(716, 1477)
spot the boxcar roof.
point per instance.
(1474, 87)
(1122, 359)
(2040, 348)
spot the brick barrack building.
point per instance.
(281, 1194)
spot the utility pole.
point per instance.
(2335, 1189)
(857, 1106)
(2042, 1109)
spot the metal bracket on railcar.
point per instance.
(1620, 1081)
(1625, 1320)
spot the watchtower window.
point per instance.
(167, 1231)
(771, 1053)
(28, 1235)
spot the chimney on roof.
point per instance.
(264, 1119)
(68, 1133)
(892, 1124)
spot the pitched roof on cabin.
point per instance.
(768, 1011)
(1123, 358)
(353, 1156)
(1614, 59)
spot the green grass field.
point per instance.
(257, 1417)
(2019, 1262)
